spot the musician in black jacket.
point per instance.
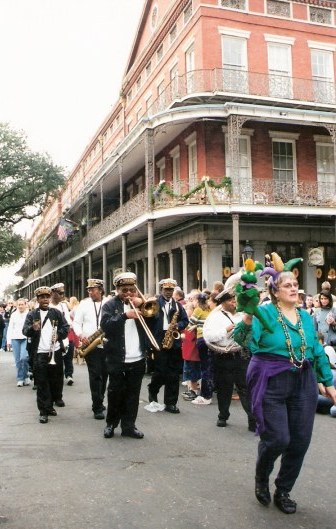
(167, 361)
(125, 357)
(46, 327)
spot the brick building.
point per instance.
(224, 134)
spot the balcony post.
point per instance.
(105, 267)
(150, 265)
(90, 264)
(235, 242)
(332, 131)
(82, 277)
(124, 252)
(149, 165)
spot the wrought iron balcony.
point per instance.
(244, 85)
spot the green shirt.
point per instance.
(258, 340)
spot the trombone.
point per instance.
(144, 324)
(150, 306)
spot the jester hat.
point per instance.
(274, 267)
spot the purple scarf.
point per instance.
(260, 369)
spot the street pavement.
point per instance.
(185, 474)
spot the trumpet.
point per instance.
(53, 343)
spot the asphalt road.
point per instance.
(185, 474)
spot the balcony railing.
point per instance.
(244, 84)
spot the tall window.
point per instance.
(283, 155)
(190, 69)
(280, 70)
(175, 155)
(325, 163)
(191, 143)
(323, 75)
(234, 53)
(161, 165)
(174, 81)
(161, 95)
(245, 172)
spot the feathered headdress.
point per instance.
(275, 265)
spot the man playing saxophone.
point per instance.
(46, 327)
(125, 356)
(86, 323)
(168, 323)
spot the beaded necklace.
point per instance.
(297, 362)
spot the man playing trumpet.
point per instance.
(85, 324)
(47, 328)
(125, 356)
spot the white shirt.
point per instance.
(166, 309)
(15, 326)
(63, 308)
(44, 345)
(132, 342)
(87, 317)
(214, 328)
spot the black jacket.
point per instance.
(113, 325)
(157, 324)
(53, 314)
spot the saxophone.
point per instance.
(171, 333)
(97, 338)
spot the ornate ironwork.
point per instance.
(320, 15)
(235, 124)
(278, 8)
(129, 211)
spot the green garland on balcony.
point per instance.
(163, 188)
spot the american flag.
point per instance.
(65, 230)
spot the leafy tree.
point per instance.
(27, 180)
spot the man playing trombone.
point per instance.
(47, 328)
(126, 333)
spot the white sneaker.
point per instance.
(201, 401)
(20, 384)
(69, 381)
(26, 382)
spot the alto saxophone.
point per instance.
(97, 338)
(171, 333)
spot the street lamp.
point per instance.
(248, 252)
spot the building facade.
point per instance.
(224, 133)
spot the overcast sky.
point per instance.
(62, 63)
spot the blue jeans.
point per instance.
(4, 336)
(20, 354)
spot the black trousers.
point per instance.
(167, 369)
(68, 360)
(96, 364)
(230, 369)
(49, 380)
(123, 393)
(289, 406)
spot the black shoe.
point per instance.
(221, 423)
(284, 503)
(262, 493)
(99, 415)
(108, 431)
(52, 412)
(171, 408)
(134, 432)
(34, 387)
(43, 419)
(152, 397)
(60, 403)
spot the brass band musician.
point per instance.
(168, 323)
(125, 356)
(86, 323)
(46, 327)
